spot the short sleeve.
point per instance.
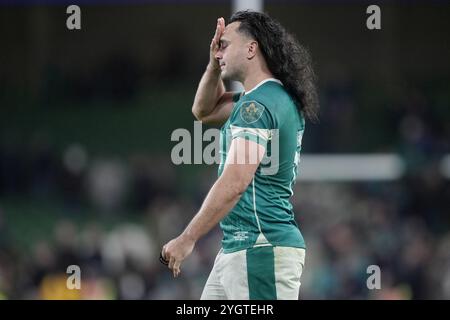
(252, 121)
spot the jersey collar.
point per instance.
(261, 83)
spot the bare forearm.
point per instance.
(209, 91)
(222, 197)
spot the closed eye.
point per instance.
(223, 44)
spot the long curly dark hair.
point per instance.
(286, 58)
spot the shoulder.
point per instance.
(275, 100)
(272, 95)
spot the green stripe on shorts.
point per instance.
(261, 273)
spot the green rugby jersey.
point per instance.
(264, 214)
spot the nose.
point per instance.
(218, 55)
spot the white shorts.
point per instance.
(258, 273)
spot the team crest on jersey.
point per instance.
(251, 111)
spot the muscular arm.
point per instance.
(227, 190)
(212, 105)
(222, 197)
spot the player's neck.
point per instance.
(254, 79)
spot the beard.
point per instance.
(231, 74)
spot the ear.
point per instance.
(252, 49)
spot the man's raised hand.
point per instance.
(215, 44)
